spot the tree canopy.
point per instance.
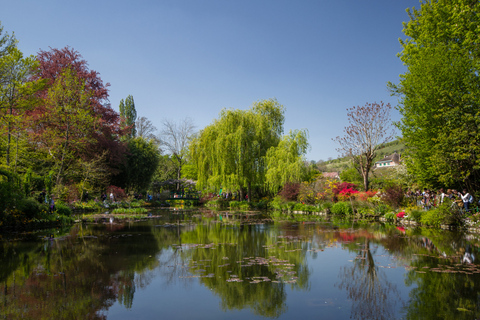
(231, 152)
(440, 93)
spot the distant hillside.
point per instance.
(340, 164)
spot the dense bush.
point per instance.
(29, 207)
(390, 216)
(326, 206)
(62, 209)
(342, 207)
(290, 191)
(381, 209)
(415, 215)
(442, 215)
(393, 195)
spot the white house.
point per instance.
(389, 161)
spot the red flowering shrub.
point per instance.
(345, 194)
(339, 186)
(363, 196)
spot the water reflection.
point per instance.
(248, 263)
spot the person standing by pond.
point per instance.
(52, 205)
(467, 198)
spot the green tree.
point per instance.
(440, 93)
(231, 152)
(142, 162)
(17, 94)
(128, 115)
(285, 162)
(7, 44)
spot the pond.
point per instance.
(211, 265)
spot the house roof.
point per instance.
(330, 174)
(394, 157)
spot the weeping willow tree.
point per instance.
(285, 162)
(231, 153)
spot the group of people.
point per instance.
(429, 198)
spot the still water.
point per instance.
(192, 265)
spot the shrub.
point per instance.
(327, 206)
(442, 215)
(290, 191)
(381, 209)
(259, 205)
(342, 208)
(393, 196)
(277, 203)
(390, 216)
(341, 186)
(234, 204)
(118, 193)
(29, 207)
(415, 215)
(62, 209)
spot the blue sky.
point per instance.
(191, 58)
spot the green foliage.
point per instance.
(381, 209)
(29, 207)
(390, 216)
(240, 205)
(440, 95)
(62, 209)
(285, 162)
(351, 175)
(142, 162)
(128, 115)
(327, 206)
(231, 153)
(415, 215)
(342, 208)
(129, 210)
(441, 215)
(218, 203)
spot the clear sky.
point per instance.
(191, 58)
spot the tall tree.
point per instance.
(106, 134)
(174, 138)
(17, 94)
(440, 93)
(142, 162)
(128, 115)
(231, 152)
(65, 127)
(285, 162)
(370, 126)
(7, 44)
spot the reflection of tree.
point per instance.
(368, 288)
(81, 275)
(250, 254)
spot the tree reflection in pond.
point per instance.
(250, 267)
(373, 296)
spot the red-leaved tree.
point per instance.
(106, 133)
